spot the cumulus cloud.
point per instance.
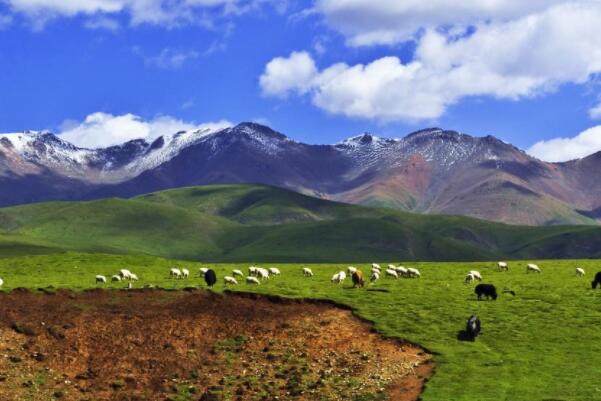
(510, 60)
(564, 149)
(372, 22)
(157, 12)
(100, 130)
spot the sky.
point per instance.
(101, 72)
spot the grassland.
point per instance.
(244, 223)
(542, 344)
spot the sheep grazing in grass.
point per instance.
(237, 273)
(402, 270)
(133, 277)
(472, 328)
(210, 277)
(307, 272)
(412, 272)
(375, 276)
(351, 270)
(175, 273)
(392, 273)
(124, 274)
(262, 273)
(392, 267)
(532, 268)
(503, 266)
(486, 290)
(597, 280)
(202, 271)
(115, 278)
(229, 280)
(375, 266)
(580, 271)
(252, 271)
(476, 274)
(338, 277)
(185, 273)
(469, 278)
(274, 271)
(252, 280)
(358, 280)
(100, 279)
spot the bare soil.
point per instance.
(159, 345)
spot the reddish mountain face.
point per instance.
(429, 171)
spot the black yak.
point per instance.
(488, 290)
(597, 280)
(358, 280)
(210, 277)
(472, 328)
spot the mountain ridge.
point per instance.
(428, 171)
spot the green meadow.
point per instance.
(542, 344)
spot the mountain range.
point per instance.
(432, 171)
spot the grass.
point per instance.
(234, 223)
(543, 344)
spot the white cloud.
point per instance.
(105, 23)
(564, 149)
(169, 58)
(510, 59)
(102, 129)
(371, 22)
(595, 112)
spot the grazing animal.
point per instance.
(175, 273)
(229, 280)
(393, 267)
(580, 271)
(307, 272)
(338, 277)
(476, 274)
(1, 282)
(351, 270)
(375, 266)
(375, 276)
(202, 271)
(412, 272)
(358, 280)
(99, 279)
(392, 273)
(274, 271)
(133, 277)
(503, 266)
(115, 278)
(402, 270)
(252, 280)
(252, 271)
(532, 268)
(210, 277)
(125, 274)
(472, 327)
(469, 278)
(130, 285)
(238, 273)
(487, 290)
(262, 273)
(596, 281)
(185, 273)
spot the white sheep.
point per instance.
(469, 278)
(99, 279)
(412, 272)
(262, 273)
(393, 267)
(307, 272)
(125, 274)
(115, 278)
(175, 272)
(392, 273)
(503, 266)
(375, 266)
(202, 271)
(274, 271)
(532, 268)
(237, 273)
(338, 277)
(580, 271)
(375, 276)
(476, 274)
(185, 273)
(133, 277)
(229, 280)
(1, 282)
(402, 270)
(252, 280)
(351, 270)
(252, 271)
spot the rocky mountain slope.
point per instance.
(429, 171)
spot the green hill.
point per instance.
(258, 223)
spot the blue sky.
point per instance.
(318, 71)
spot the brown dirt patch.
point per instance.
(158, 345)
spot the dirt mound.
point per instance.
(158, 345)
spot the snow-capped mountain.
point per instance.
(432, 171)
